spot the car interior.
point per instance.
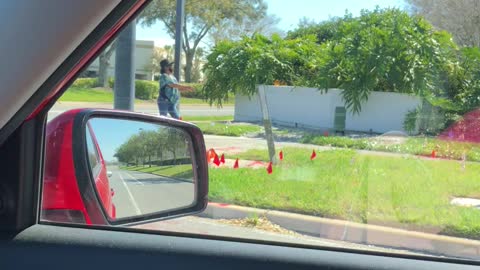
(47, 45)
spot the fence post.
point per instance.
(267, 123)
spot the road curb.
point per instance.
(353, 232)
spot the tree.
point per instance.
(239, 67)
(234, 30)
(149, 145)
(383, 50)
(200, 18)
(197, 64)
(461, 18)
(158, 55)
(131, 151)
(323, 31)
(104, 64)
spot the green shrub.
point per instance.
(197, 91)
(85, 83)
(146, 90)
(110, 82)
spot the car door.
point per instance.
(27, 242)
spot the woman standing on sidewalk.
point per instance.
(169, 96)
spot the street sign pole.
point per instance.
(124, 87)
(178, 37)
(267, 123)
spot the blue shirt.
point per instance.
(172, 93)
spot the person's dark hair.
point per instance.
(165, 65)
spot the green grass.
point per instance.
(75, 94)
(413, 145)
(208, 118)
(87, 95)
(176, 171)
(409, 193)
(199, 101)
(223, 129)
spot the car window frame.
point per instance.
(41, 118)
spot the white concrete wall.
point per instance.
(307, 107)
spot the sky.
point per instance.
(111, 133)
(289, 11)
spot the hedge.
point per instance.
(145, 90)
(85, 83)
(197, 91)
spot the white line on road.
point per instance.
(134, 203)
(134, 179)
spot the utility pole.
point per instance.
(179, 24)
(124, 87)
(267, 123)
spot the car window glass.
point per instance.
(347, 124)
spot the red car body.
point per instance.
(61, 197)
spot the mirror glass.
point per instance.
(140, 168)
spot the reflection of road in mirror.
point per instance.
(138, 193)
(149, 166)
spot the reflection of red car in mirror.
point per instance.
(62, 200)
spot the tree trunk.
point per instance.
(103, 70)
(189, 65)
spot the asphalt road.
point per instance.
(139, 193)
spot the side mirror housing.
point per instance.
(107, 167)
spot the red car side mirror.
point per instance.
(108, 167)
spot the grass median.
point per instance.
(105, 95)
(209, 118)
(184, 171)
(413, 145)
(410, 193)
(227, 129)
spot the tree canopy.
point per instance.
(151, 147)
(461, 18)
(381, 50)
(238, 67)
(200, 18)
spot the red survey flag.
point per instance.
(270, 168)
(314, 155)
(235, 166)
(280, 155)
(434, 154)
(216, 160)
(222, 159)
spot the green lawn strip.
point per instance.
(223, 129)
(87, 95)
(402, 192)
(414, 146)
(177, 171)
(195, 101)
(76, 94)
(208, 118)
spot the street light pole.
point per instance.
(124, 87)
(178, 37)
